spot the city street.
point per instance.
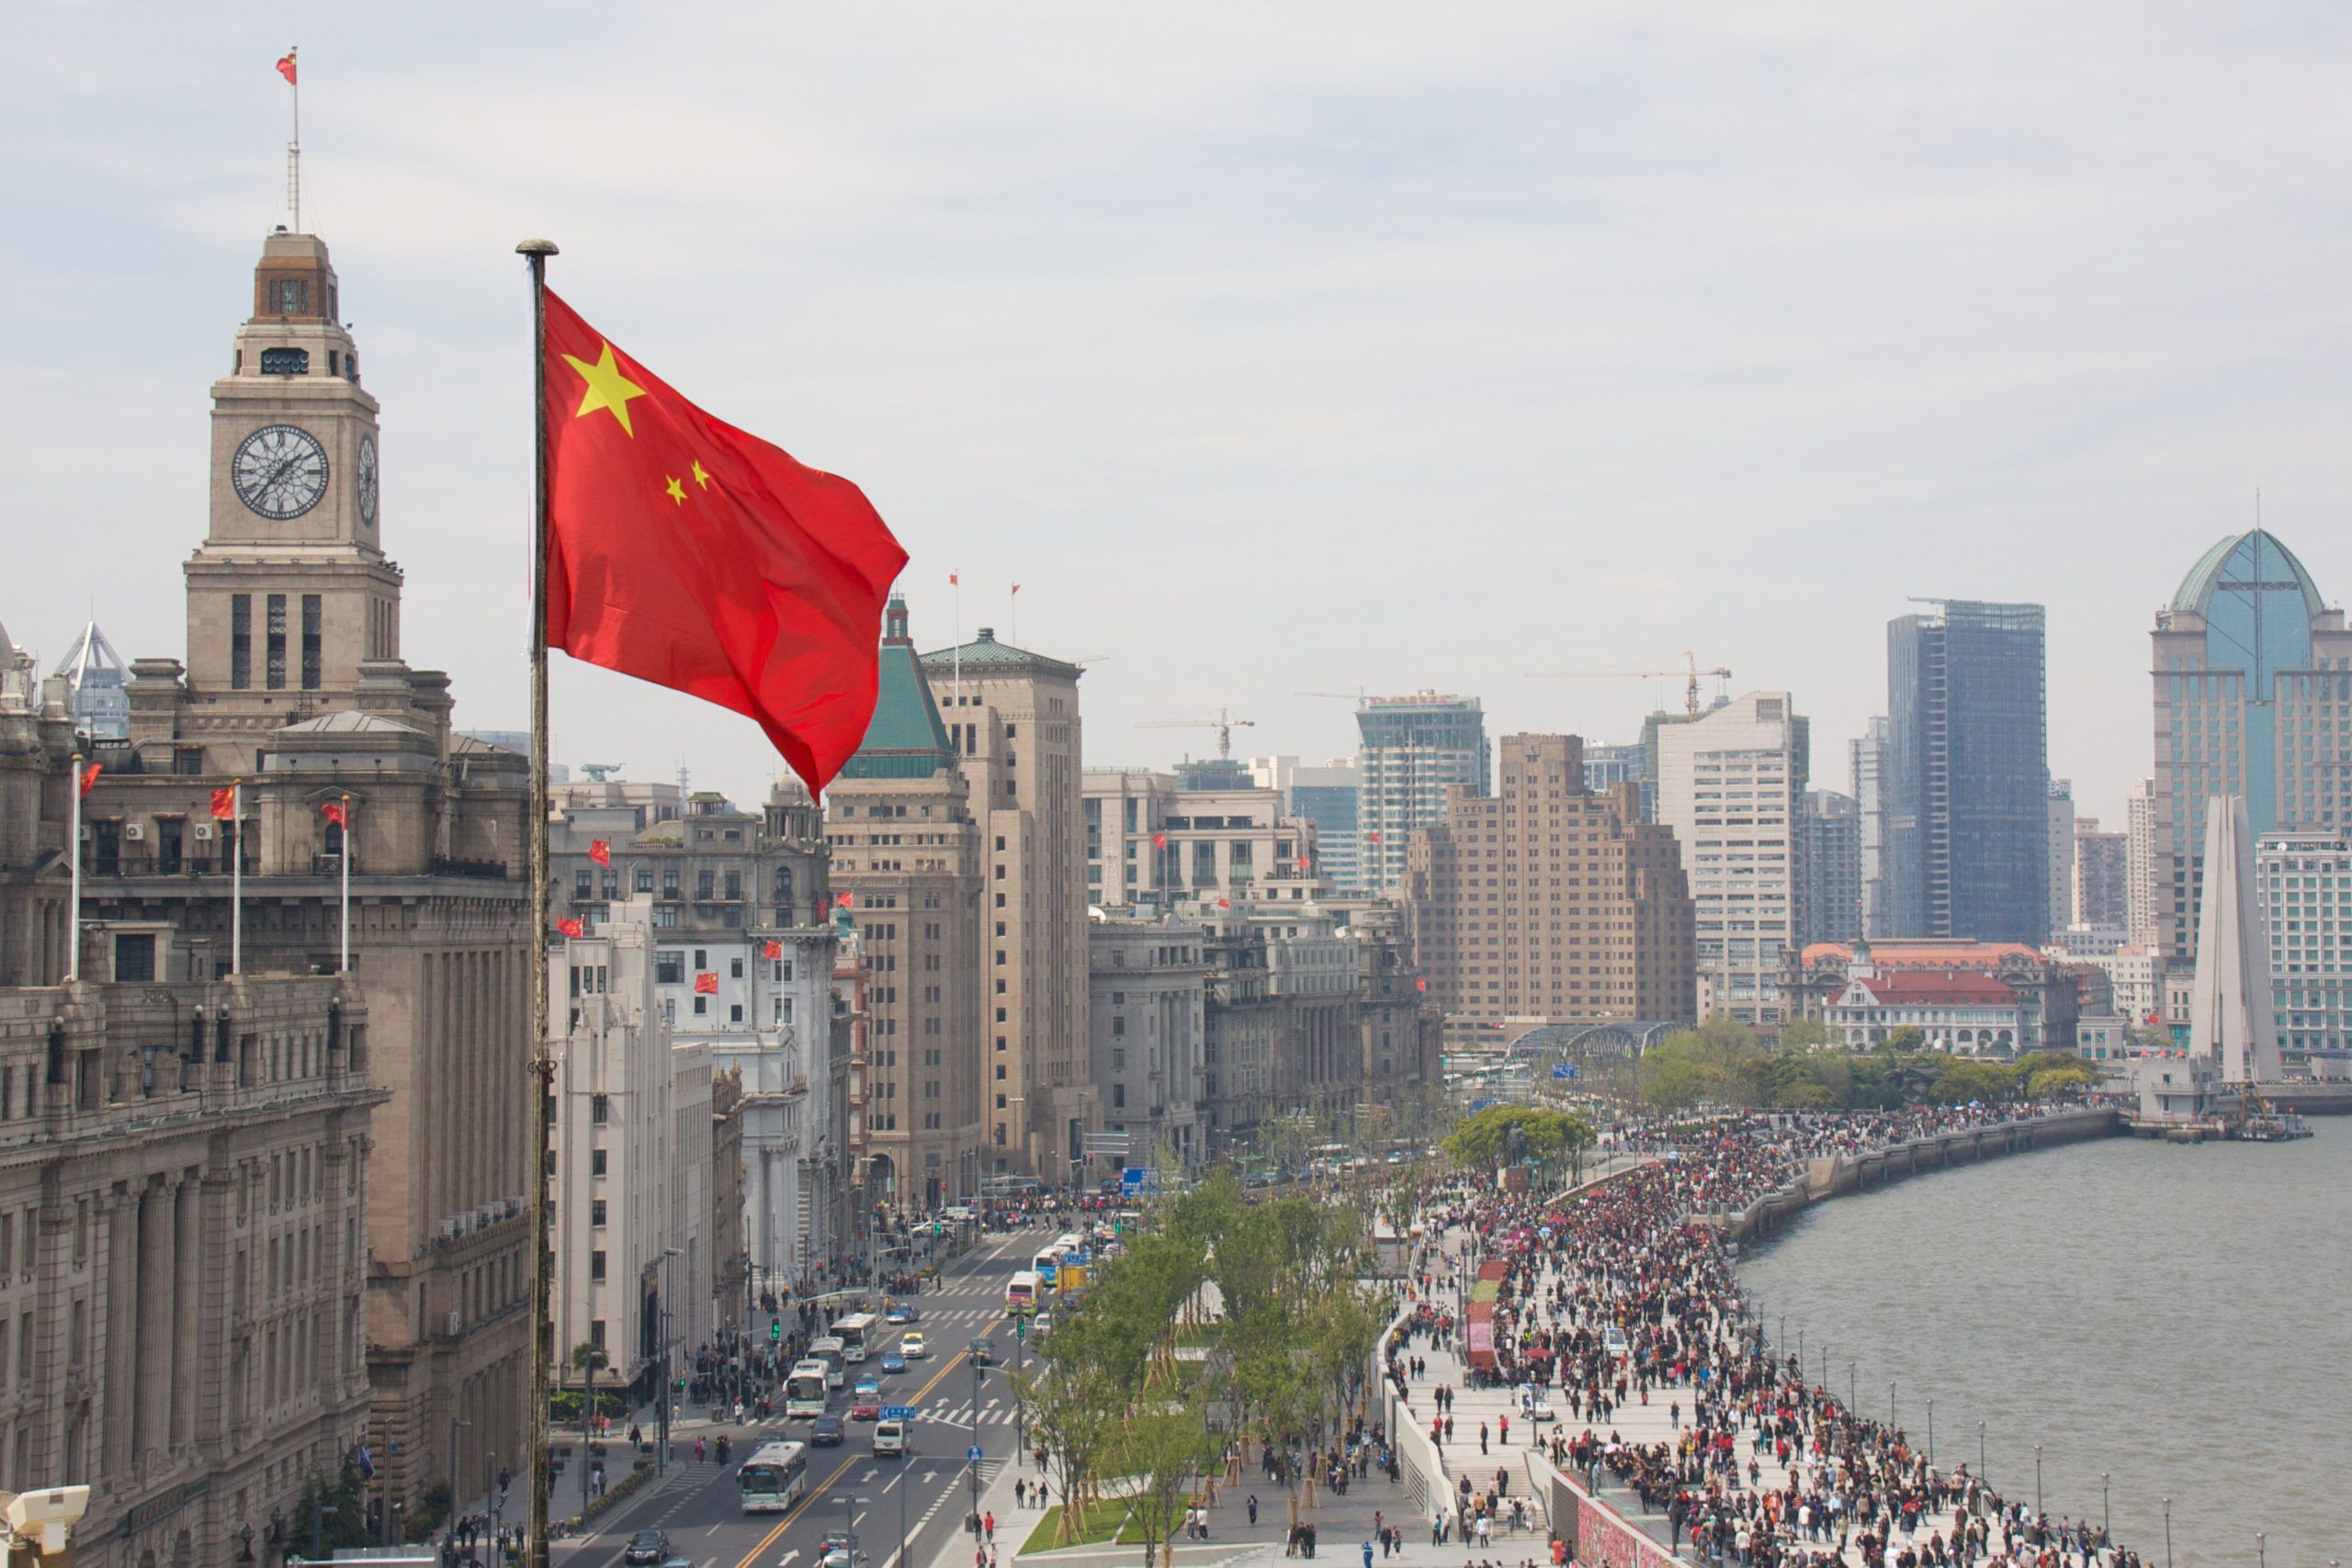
(929, 1492)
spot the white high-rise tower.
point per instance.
(2230, 1021)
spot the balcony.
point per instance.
(157, 862)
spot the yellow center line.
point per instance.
(750, 1558)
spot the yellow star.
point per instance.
(607, 387)
(702, 475)
(676, 490)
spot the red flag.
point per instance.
(773, 950)
(1421, 985)
(688, 553)
(224, 803)
(337, 812)
(601, 851)
(1376, 838)
(286, 65)
(573, 927)
(953, 581)
(90, 776)
(1160, 840)
(705, 984)
(843, 900)
(1016, 588)
(1224, 903)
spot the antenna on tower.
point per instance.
(286, 68)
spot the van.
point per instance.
(891, 1437)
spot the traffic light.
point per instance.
(776, 1331)
(1020, 1328)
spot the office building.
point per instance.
(1967, 776)
(1867, 764)
(2060, 842)
(95, 674)
(1147, 1004)
(1325, 797)
(294, 683)
(2303, 882)
(906, 850)
(1547, 902)
(2102, 876)
(1606, 767)
(1833, 855)
(1152, 845)
(1975, 998)
(1731, 788)
(1414, 749)
(2253, 683)
(2139, 862)
(1013, 720)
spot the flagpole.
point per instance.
(73, 909)
(236, 878)
(345, 858)
(542, 1068)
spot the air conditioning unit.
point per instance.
(453, 1323)
(89, 832)
(204, 830)
(133, 831)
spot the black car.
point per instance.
(825, 1433)
(646, 1546)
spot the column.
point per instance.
(153, 1400)
(121, 1361)
(187, 1308)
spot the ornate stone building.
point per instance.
(294, 684)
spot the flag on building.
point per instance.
(774, 949)
(573, 927)
(601, 851)
(707, 984)
(90, 776)
(691, 554)
(224, 803)
(338, 812)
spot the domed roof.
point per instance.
(2253, 557)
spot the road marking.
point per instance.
(787, 1560)
(711, 1531)
(867, 1479)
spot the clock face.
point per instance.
(280, 471)
(367, 478)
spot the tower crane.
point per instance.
(1691, 670)
(1225, 723)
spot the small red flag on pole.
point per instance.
(573, 927)
(601, 851)
(843, 900)
(773, 950)
(90, 776)
(224, 803)
(337, 812)
(707, 984)
(286, 68)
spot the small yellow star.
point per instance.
(676, 490)
(702, 475)
(607, 387)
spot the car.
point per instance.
(866, 1407)
(1612, 1339)
(1038, 1325)
(914, 1348)
(892, 1361)
(833, 1552)
(893, 1437)
(983, 1353)
(646, 1547)
(826, 1432)
(867, 1383)
(902, 1313)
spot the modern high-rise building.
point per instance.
(94, 672)
(2139, 863)
(1012, 721)
(2253, 680)
(1414, 749)
(1325, 796)
(1606, 767)
(1549, 903)
(2102, 875)
(1967, 774)
(1833, 855)
(2060, 848)
(906, 850)
(2304, 883)
(1731, 787)
(1866, 759)
(2232, 1021)
(294, 683)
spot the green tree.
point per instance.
(1163, 1448)
(1807, 1034)
(1967, 1080)
(2061, 1082)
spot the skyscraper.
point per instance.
(1868, 758)
(1833, 856)
(1415, 749)
(1731, 787)
(2060, 846)
(2139, 863)
(2101, 877)
(1967, 774)
(2253, 678)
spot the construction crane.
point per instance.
(1361, 696)
(1225, 723)
(1691, 670)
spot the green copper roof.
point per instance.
(985, 654)
(906, 738)
(2253, 557)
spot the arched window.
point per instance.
(286, 362)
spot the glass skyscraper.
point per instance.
(1967, 774)
(1413, 749)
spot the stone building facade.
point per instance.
(294, 683)
(1148, 1001)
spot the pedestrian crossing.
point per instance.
(961, 1415)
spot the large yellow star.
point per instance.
(607, 387)
(675, 490)
(702, 475)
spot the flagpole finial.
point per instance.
(537, 248)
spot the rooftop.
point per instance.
(2253, 559)
(985, 654)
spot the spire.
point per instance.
(94, 672)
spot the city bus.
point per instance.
(772, 1479)
(835, 1356)
(1021, 1295)
(856, 1332)
(804, 1390)
(1047, 1264)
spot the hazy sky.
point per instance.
(1272, 348)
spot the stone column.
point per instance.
(121, 1351)
(187, 1306)
(216, 1258)
(153, 1400)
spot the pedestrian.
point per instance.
(1253, 1509)
(989, 1523)
(1367, 1551)
(1020, 1492)
(1482, 1439)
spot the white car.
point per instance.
(914, 1348)
(1612, 1339)
(1040, 1323)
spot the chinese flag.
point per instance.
(90, 776)
(601, 851)
(286, 65)
(573, 927)
(773, 950)
(224, 803)
(1160, 840)
(842, 901)
(707, 984)
(337, 812)
(688, 553)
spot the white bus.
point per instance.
(772, 1479)
(804, 1390)
(856, 1332)
(1047, 1264)
(1021, 1295)
(835, 1354)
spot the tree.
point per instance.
(1965, 1080)
(1163, 1447)
(1799, 1035)
(1905, 1039)
(2061, 1082)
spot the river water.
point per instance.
(2179, 1317)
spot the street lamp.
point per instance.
(2261, 1550)
(849, 1516)
(979, 1347)
(1931, 1434)
(1825, 1363)
(1980, 1450)
(2168, 1532)
(451, 1523)
(1853, 1398)
(2105, 1520)
(2037, 1481)
(1890, 1405)
(661, 1406)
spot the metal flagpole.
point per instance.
(542, 1068)
(73, 909)
(236, 876)
(345, 858)
(294, 148)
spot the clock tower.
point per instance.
(290, 594)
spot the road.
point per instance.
(930, 1489)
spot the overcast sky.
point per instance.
(1272, 348)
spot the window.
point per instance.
(596, 1210)
(596, 1264)
(311, 642)
(293, 296)
(596, 1158)
(241, 641)
(669, 966)
(276, 644)
(644, 879)
(600, 1109)
(734, 968)
(134, 957)
(583, 884)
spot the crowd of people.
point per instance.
(1614, 1295)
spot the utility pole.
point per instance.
(450, 1524)
(972, 1461)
